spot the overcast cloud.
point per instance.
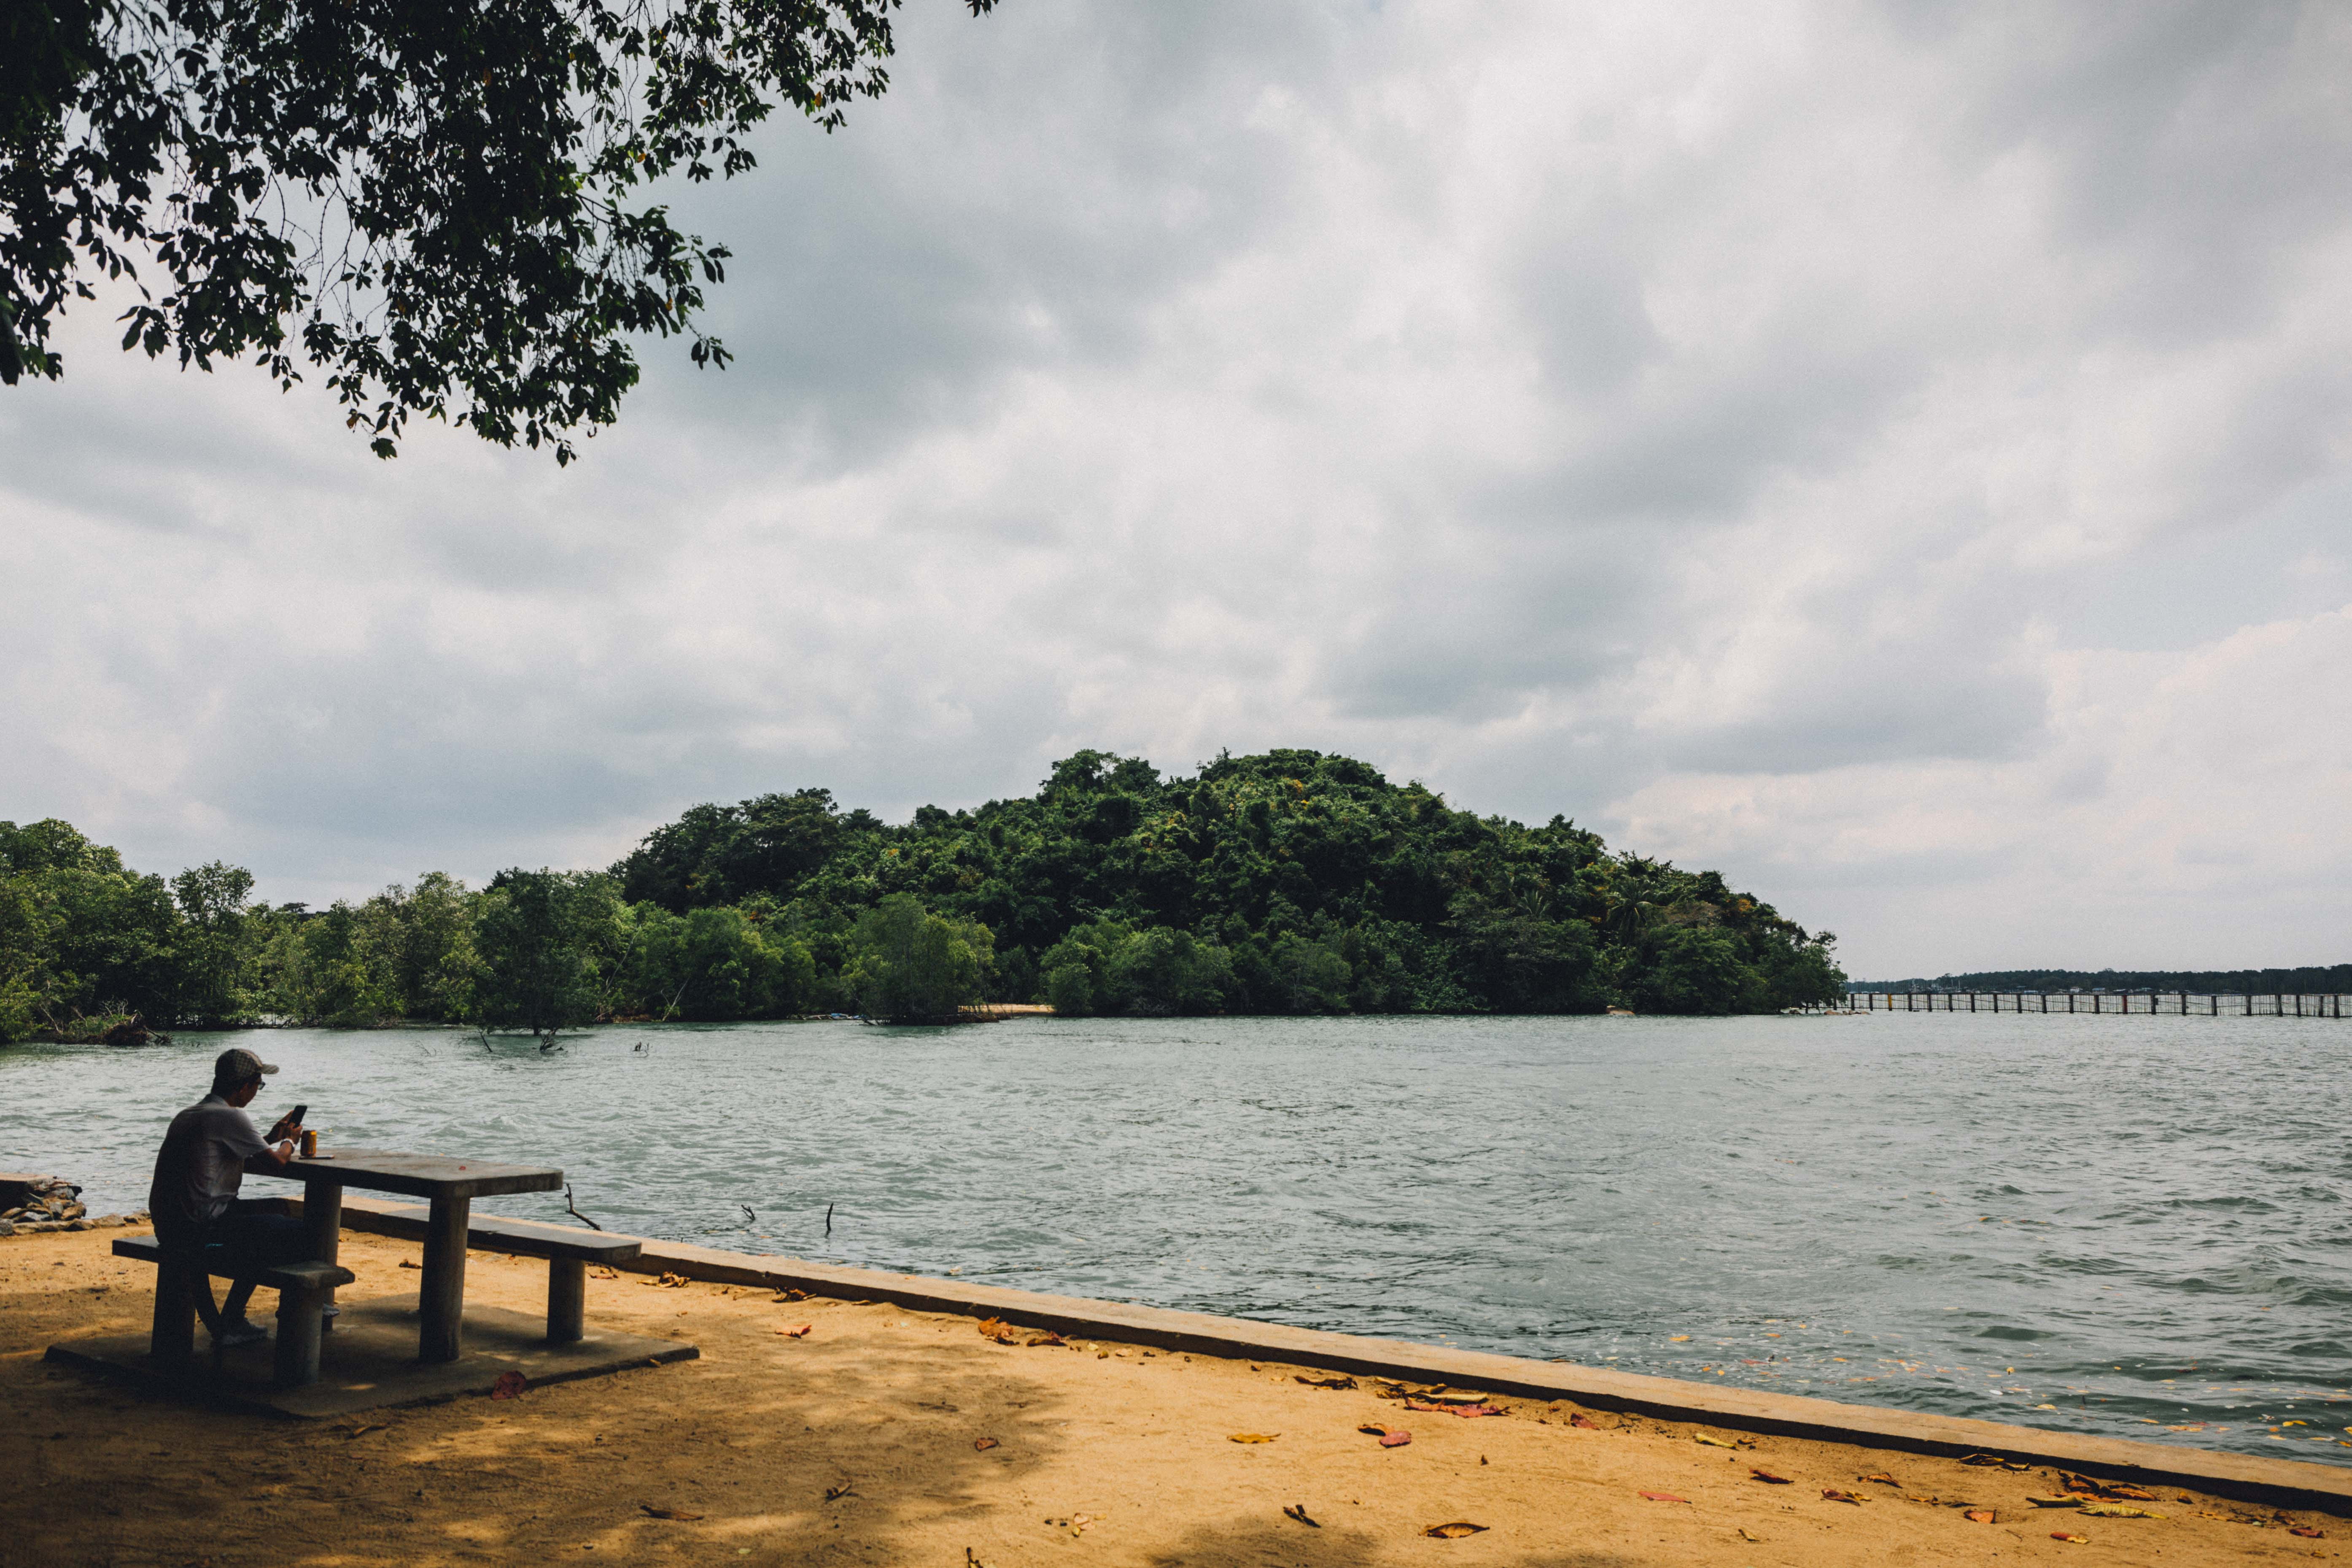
(1897, 454)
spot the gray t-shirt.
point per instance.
(199, 1168)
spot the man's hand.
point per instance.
(285, 1128)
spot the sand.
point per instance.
(863, 1442)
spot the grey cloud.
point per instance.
(1579, 409)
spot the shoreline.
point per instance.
(838, 1428)
(2274, 1482)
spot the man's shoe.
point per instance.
(236, 1332)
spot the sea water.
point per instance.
(2135, 1226)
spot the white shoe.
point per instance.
(236, 1332)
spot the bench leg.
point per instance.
(567, 1301)
(173, 1339)
(297, 1337)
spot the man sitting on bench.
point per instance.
(194, 1200)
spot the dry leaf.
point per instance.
(2306, 1532)
(1994, 1461)
(1253, 1436)
(1979, 1516)
(800, 1333)
(1390, 1436)
(2117, 1510)
(1298, 1511)
(1465, 1411)
(1045, 1337)
(1325, 1381)
(1664, 1497)
(984, 1444)
(509, 1386)
(2053, 1501)
(1454, 1532)
(363, 1431)
(1768, 1477)
(1881, 1477)
(1744, 1535)
(601, 1272)
(410, 1263)
(2077, 1540)
(1833, 1495)
(1711, 1441)
(1588, 1425)
(667, 1512)
(789, 1294)
(834, 1494)
(1000, 1330)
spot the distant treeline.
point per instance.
(2308, 981)
(1290, 883)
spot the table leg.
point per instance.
(441, 1303)
(323, 1217)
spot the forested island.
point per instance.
(1292, 881)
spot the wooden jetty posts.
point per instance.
(2184, 1004)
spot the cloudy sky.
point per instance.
(1897, 454)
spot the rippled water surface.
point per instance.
(2133, 1225)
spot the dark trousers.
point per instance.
(254, 1235)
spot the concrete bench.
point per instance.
(301, 1293)
(568, 1253)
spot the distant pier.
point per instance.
(2185, 1004)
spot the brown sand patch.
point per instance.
(866, 1440)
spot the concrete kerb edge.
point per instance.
(2282, 1483)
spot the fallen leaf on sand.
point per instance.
(789, 1294)
(2040, 1501)
(1882, 1478)
(1994, 1462)
(1390, 1436)
(1768, 1477)
(1711, 1440)
(1588, 1424)
(1454, 1531)
(1464, 1411)
(363, 1431)
(1744, 1535)
(1325, 1382)
(2117, 1510)
(1676, 1338)
(1298, 1511)
(1664, 1497)
(2306, 1532)
(1046, 1337)
(1833, 1495)
(2077, 1540)
(800, 1333)
(1000, 1330)
(667, 1512)
(1979, 1516)
(509, 1386)
(1252, 1437)
(834, 1494)
(2086, 1487)
(984, 1444)
(410, 1263)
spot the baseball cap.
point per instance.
(237, 1064)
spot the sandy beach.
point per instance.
(889, 1437)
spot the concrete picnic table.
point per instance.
(450, 1186)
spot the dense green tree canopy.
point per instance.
(445, 203)
(1290, 883)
